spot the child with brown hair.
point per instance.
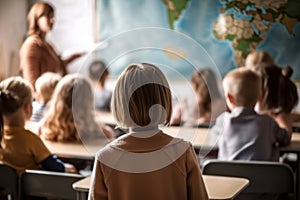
(244, 134)
(99, 73)
(145, 163)
(279, 93)
(207, 104)
(20, 148)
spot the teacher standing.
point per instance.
(37, 56)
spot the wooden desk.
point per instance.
(74, 150)
(218, 187)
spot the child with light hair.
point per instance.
(44, 87)
(20, 148)
(243, 134)
(145, 163)
(70, 116)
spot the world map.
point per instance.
(245, 23)
(215, 33)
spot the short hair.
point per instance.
(138, 90)
(38, 10)
(98, 71)
(46, 84)
(15, 92)
(244, 85)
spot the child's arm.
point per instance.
(283, 135)
(195, 184)
(52, 163)
(98, 189)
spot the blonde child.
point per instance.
(244, 134)
(145, 163)
(70, 115)
(20, 148)
(207, 105)
(99, 73)
(44, 87)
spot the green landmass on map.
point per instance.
(175, 8)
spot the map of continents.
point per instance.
(246, 24)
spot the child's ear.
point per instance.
(28, 109)
(230, 98)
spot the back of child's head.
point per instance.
(244, 85)
(71, 105)
(279, 93)
(98, 71)
(206, 86)
(15, 92)
(46, 84)
(258, 59)
(141, 97)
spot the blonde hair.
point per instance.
(244, 85)
(46, 84)
(139, 90)
(258, 59)
(15, 92)
(38, 10)
(70, 116)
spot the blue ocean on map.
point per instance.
(139, 31)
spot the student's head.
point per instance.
(141, 97)
(205, 85)
(279, 93)
(98, 72)
(40, 18)
(15, 94)
(258, 59)
(242, 87)
(45, 85)
(70, 110)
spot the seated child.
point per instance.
(279, 93)
(44, 87)
(207, 104)
(20, 148)
(99, 74)
(145, 163)
(244, 134)
(70, 115)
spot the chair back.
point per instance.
(8, 182)
(266, 178)
(40, 183)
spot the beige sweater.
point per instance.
(158, 167)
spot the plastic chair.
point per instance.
(40, 183)
(8, 182)
(268, 180)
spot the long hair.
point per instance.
(70, 116)
(206, 87)
(38, 10)
(279, 92)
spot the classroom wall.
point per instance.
(12, 31)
